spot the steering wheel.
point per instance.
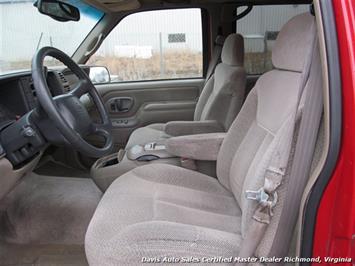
(66, 111)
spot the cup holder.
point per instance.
(110, 162)
(105, 169)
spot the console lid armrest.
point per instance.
(201, 147)
(182, 128)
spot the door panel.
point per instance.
(146, 103)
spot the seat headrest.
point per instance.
(233, 50)
(293, 43)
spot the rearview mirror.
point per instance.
(58, 10)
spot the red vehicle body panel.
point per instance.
(335, 225)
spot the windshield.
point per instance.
(23, 30)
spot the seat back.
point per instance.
(222, 96)
(247, 148)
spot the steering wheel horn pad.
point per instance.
(74, 113)
(66, 111)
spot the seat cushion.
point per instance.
(144, 135)
(163, 210)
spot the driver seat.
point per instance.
(217, 106)
(162, 210)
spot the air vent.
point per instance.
(65, 83)
(33, 90)
(29, 92)
(32, 87)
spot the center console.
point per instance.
(107, 169)
(148, 152)
(197, 152)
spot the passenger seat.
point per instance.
(218, 105)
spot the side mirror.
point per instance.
(99, 74)
(58, 10)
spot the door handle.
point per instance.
(120, 104)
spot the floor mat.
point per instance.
(49, 210)
(42, 255)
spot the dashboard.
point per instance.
(20, 135)
(18, 95)
(16, 98)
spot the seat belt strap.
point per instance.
(274, 174)
(267, 195)
(216, 57)
(301, 167)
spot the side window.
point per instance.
(259, 29)
(153, 45)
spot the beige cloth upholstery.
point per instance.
(202, 147)
(144, 135)
(182, 128)
(220, 100)
(223, 94)
(288, 52)
(233, 50)
(162, 210)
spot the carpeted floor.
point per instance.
(42, 255)
(44, 219)
(52, 167)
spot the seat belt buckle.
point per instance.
(258, 195)
(263, 198)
